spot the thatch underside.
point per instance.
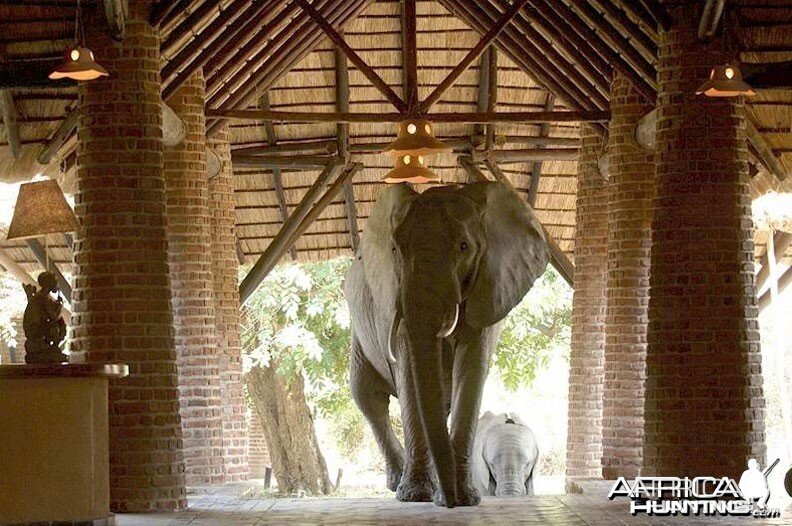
(303, 79)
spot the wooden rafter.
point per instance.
(65, 129)
(618, 19)
(483, 92)
(272, 139)
(409, 34)
(359, 63)
(295, 42)
(537, 58)
(657, 10)
(536, 166)
(342, 131)
(493, 32)
(9, 113)
(116, 12)
(527, 155)
(290, 231)
(763, 150)
(710, 18)
(295, 162)
(562, 12)
(781, 242)
(461, 117)
(161, 10)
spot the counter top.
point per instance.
(63, 370)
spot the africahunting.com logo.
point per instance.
(704, 496)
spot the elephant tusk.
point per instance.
(447, 333)
(394, 331)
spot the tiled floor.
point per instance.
(226, 507)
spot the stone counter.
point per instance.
(54, 443)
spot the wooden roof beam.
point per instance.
(292, 51)
(640, 12)
(296, 162)
(537, 49)
(783, 282)
(293, 228)
(763, 150)
(781, 242)
(316, 147)
(619, 19)
(116, 12)
(657, 10)
(359, 63)
(161, 10)
(645, 86)
(409, 33)
(272, 139)
(9, 113)
(527, 155)
(66, 127)
(591, 64)
(200, 49)
(342, 130)
(458, 117)
(529, 59)
(493, 32)
(615, 40)
(483, 93)
(536, 166)
(710, 18)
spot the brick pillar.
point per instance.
(258, 454)
(630, 191)
(122, 307)
(704, 400)
(584, 433)
(189, 239)
(226, 295)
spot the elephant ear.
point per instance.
(378, 262)
(516, 253)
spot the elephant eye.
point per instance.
(463, 246)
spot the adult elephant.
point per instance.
(435, 275)
(504, 456)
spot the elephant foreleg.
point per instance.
(372, 394)
(471, 364)
(418, 481)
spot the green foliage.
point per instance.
(536, 328)
(298, 321)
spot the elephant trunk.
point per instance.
(509, 483)
(429, 315)
(426, 370)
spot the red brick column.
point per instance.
(630, 191)
(584, 434)
(258, 454)
(190, 258)
(704, 400)
(226, 295)
(122, 307)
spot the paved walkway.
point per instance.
(226, 507)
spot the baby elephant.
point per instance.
(504, 456)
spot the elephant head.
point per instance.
(505, 455)
(450, 254)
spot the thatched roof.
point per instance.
(252, 49)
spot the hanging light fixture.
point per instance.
(725, 81)
(410, 169)
(79, 63)
(41, 209)
(416, 137)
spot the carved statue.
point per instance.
(44, 327)
(435, 275)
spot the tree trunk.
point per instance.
(297, 462)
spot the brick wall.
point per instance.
(226, 294)
(258, 454)
(704, 401)
(190, 259)
(584, 434)
(122, 303)
(630, 191)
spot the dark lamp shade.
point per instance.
(410, 169)
(416, 137)
(725, 81)
(41, 209)
(79, 64)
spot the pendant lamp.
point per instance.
(725, 81)
(416, 137)
(79, 62)
(41, 209)
(410, 169)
